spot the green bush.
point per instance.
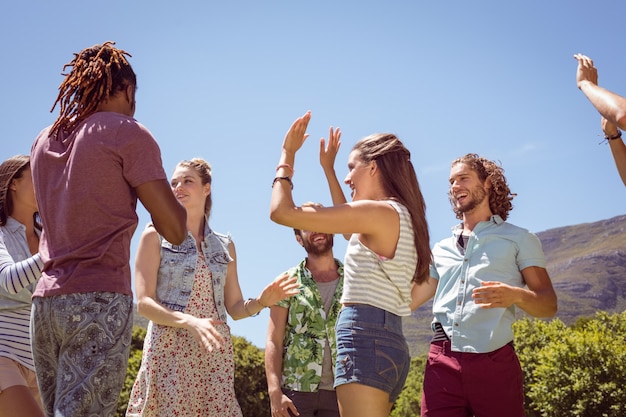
(577, 371)
(250, 382)
(583, 373)
(134, 362)
(408, 403)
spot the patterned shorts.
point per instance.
(81, 344)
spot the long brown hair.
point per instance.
(399, 180)
(97, 73)
(11, 169)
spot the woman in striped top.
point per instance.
(388, 251)
(20, 267)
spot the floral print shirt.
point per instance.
(307, 331)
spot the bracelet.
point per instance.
(282, 178)
(286, 166)
(258, 300)
(245, 307)
(616, 136)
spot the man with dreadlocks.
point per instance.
(88, 170)
(478, 277)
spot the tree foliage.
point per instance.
(408, 403)
(250, 382)
(134, 362)
(581, 371)
(576, 371)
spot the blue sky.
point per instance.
(224, 81)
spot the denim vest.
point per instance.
(178, 267)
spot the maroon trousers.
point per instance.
(460, 384)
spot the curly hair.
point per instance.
(203, 169)
(399, 180)
(97, 73)
(500, 195)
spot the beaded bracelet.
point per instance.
(245, 307)
(615, 136)
(286, 166)
(282, 178)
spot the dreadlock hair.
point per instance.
(500, 195)
(97, 73)
(399, 180)
(203, 169)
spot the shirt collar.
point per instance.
(494, 219)
(13, 225)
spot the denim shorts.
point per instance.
(371, 349)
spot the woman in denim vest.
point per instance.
(186, 290)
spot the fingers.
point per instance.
(282, 287)
(301, 123)
(280, 412)
(333, 142)
(211, 341)
(290, 285)
(284, 408)
(584, 60)
(333, 139)
(296, 135)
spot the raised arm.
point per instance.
(328, 155)
(618, 148)
(610, 105)
(327, 161)
(348, 218)
(15, 276)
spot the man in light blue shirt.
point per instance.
(478, 277)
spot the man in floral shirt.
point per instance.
(301, 346)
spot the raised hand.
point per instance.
(329, 153)
(296, 135)
(586, 71)
(282, 287)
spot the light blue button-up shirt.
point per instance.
(496, 251)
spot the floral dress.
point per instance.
(178, 377)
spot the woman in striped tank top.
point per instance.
(388, 251)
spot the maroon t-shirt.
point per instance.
(84, 184)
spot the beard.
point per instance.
(318, 249)
(474, 199)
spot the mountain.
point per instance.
(587, 265)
